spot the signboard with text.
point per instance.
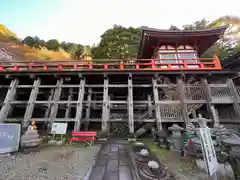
(59, 128)
(9, 137)
(208, 150)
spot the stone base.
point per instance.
(223, 169)
(53, 142)
(132, 139)
(30, 149)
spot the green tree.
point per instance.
(78, 52)
(53, 45)
(30, 41)
(87, 51)
(226, 46)
(118, 42)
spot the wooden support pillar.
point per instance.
(150, 109)
(234, 95)
(182, 100)
(210, 106)
(79, 109)
(50, 98)
(194, 114)
(68, 109)
(88, 111)
(9, 97)
(31, 101)
(56, 97)
(130, 105)
(156, 103)
(105, 106)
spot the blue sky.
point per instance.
(83, 21)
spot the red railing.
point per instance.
(111, 64)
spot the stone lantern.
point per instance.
(176, 137)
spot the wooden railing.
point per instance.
(114, 65)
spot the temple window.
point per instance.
(187, 52)
(175, 54)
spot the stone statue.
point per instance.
(30, 138)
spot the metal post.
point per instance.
(105, 106)
(9, 97)
(130, 105)
(79, 109)
(56, 97)
(31, 101)
(156, 102)
(89, 97)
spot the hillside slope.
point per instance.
(9, 41)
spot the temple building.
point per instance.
(168, 83)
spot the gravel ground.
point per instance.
(52, 163)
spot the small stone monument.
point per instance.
(176, 137)
(144, 152)
(30, 138)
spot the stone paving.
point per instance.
(53, 163)
(113, 162)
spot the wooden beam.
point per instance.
(150, 107)
(157, 108)
(88, 111)
(30, 105)
(210, 105)
(9, 97)
(79, 109)
(105, 106)
(130, 105)
(68, 109)
(50, 98)
(235, 96)
(56, 97)
(184, 109)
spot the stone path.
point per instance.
(113, 162)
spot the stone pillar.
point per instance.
(31, 101)
(81, 93)
(176, 137)
(105, 106)
(9, 97)
(130, 105)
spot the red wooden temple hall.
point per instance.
(168, 83)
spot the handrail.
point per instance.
(115, 64)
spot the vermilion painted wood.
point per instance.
(149, 64)
(83, 136)
(84, 133)
(82, 139)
